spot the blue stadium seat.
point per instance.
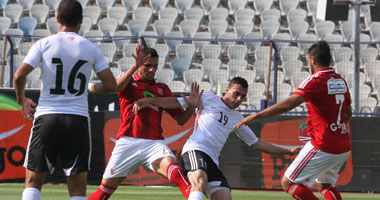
(27, 25)
(180, 65)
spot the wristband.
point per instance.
(90, 87)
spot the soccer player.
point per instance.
(214, 122)
(139, 139)
(329, 110)
(61, 121)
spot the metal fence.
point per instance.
(273, 68)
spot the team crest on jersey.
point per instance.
(160, 91)
(336, 86)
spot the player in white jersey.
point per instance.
(215, 120)
(60, 121)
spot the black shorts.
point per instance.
(59, 136)
(194, 159)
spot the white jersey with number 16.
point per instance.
(67, 61)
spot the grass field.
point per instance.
(58, 192)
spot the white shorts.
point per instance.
(313, 165)
(129, 153)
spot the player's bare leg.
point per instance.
(33, 185)
(107, 187)
(223, 194)
(76, 184)
(328, 191)
(297, 191)
(198, 180)
(169, 168)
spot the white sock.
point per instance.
(195, 195)
(78, 198)
(31, 194)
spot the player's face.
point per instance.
(235, 95)
(148, 70)
(311, 63)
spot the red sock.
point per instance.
(103, 193)
(331, 194)
(176, 176)
(301, 192)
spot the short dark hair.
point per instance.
(239, 80)
(321, 52)
(153, 53)
(70, 12)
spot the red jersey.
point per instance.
(327, 98)
(147, 123)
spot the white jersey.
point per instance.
(214, 122)
(67, 61)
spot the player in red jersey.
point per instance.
(139, 139)
(329, 110)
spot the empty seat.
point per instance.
(105, 5)
(16, 40)
(185, 51)
(130, 5)
(211, 51)
(298, 28)
(284, 90)
(24, 48)
(149, 37)
(53, 4)
(27, 25)
(201, 39)
(270, 15)
(120, 39)
(119, 13)
(252, 40)
(374, 30)
(227, 36)
(235, 5)
(180, 65)
(189, 27)
(93, 35)
(218, 76)
(183, 5)
(218, 14)
(269, 28)
(261, 5)
(168, 13)
(164, 75)
(345, 68)
(243, 27)
(4, 24)
(312, 5)
(287, 5)
(192, 75)
(177, 86)
(40, 12)
(372, 68)
(340, 54)
(205, 86)
(296, 15)
(173, 39)
(163, 26)
(137, 26)
(256, 88)
(237, 52)
(217, 27)
(282, 36)
(324, 28)
(290, 67)
(195, 14)
(157, 5)
(306, 40)
(52, 25)
(85, 26)
(92, 12)
(40, 33)
(247, 74)
(109, 51)
(3, 3)
(162, 50)
(334, 40)
(346, 30)
(129, 49)
(210, 64)
(108, 26)
(298, 77)
(368, 54)
(126, 63)
(263, 53)
(235, 66)
(289, 53)
(143, 13)
(26, 4)
(13, 12)
(261, 69)
(207, 5)
(245, 14)
(83, 3)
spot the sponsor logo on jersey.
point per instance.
(336, 86)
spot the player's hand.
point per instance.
(295, 151)
(28, 109)
(140, 104)
(195, 96)
(140, 59)
(245, 121)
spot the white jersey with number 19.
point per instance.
(214, 122)
(67, 61)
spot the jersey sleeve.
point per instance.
(307, 88)
(168, 93)
(34, 56)
(100, 62)
(247, 135)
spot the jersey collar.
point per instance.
(323, 69)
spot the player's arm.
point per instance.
(27, 105)
(107, 84)
(283, 106)
(267, 147)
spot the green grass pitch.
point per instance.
(58, 192)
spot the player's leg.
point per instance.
(33, 185)
(198, 180)
(222, 194)
(125, 158)
(168, 167)
(325, 182)
(76, 184)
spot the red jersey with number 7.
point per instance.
(147, 123)
(327, 98)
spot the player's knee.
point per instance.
(285, 183)
(198, 180)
